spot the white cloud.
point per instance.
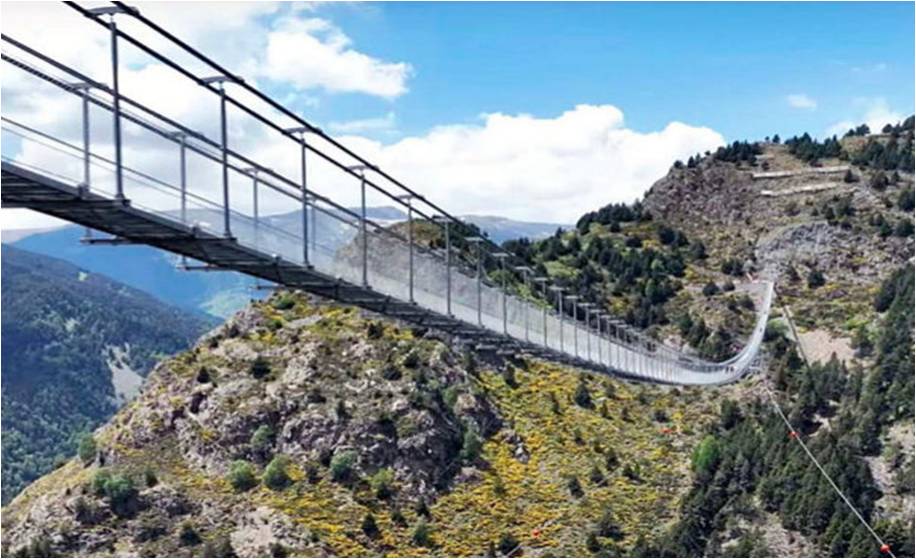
(545, 169)
(516, 165)
(875, 112)
(801, 101)
(313, 53)
(385, 123)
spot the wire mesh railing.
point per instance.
(211, 185)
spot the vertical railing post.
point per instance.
(305, 204)
(477, 241)
(255, 210)
(363, 227)
(575, 322)
(365, 230)
(501, 256)
(183, 175)
(224, 147)
(600, 339)
(445, 221)
(588, 330)
(448, 269)
(313, 223)
(116, 111)
(408, 198)
(85, 186)
(111, 11)
(560, 311)
(526, 275)
(303, 144)
(86, 146)
(543, 281)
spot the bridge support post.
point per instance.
(302, 131)
(410, 245)
(543, 281)
(446, 226)
(365, 231)
(305, 205)
(255, 209)
(588, 330)
(502, 267)
(600, 339)
(86, 144)
(116, 111)
(183, 175)
(183, 183)
(575, 322)
(448, 270)
(560, 312)
(408, 198)
(526, 274)
(477, 241)
(224, 148)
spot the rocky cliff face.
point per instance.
(361, 436)
(784, 218)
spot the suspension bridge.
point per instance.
(216, 205)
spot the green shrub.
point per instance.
(710, 289)
(118, 488)
(509, 376)
(87, 448)
(507, 543)
(595, 476)
(411, 360)
(342, 465)
(262, 440)
(575, 488)
(149, 477)
(815, 279)
(284, 302)
(375, 330)
(275, 475)
(706, 455)
(188, 535)
(99, 481)
(260, 367)
(610, 459)
(450, 396)
(381, 483)
(607, 526)
(422, 535)
(370, 528)
(241, 476)
(471, 446)
(582, 397)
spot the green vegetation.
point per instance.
(87, 448)
(61, 328)
(342, 466)
(242, 476)
(752, 455)
(275, 474)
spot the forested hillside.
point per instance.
(75, 346)
(304, 427)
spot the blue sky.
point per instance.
(533, 111)
(729, 66)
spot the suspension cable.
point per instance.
(883, 546)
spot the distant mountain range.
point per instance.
(76, 345)
(218, 294)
